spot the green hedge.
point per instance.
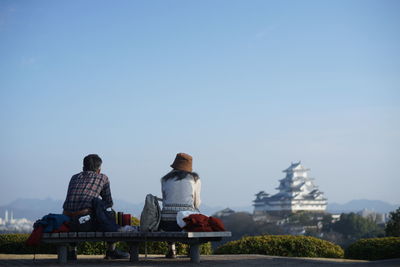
(374, 248)
(282, 245)
(15, 244)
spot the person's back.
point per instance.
(181, 192)
(85, 186)
(83, 204)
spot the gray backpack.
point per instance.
(151, 215)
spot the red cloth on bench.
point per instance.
(62, 229)
(202, 223)
(35, 237)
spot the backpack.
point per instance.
(151, 215)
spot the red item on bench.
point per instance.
(216, 224)
(35, 237)
(202, 223)
(126, 219)
(62, 229)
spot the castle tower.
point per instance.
(297, 192)
(6, 216)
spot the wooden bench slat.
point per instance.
(72, 234)
(63, 235)
(55, 235)
(108, 234)
(118, 234)
(138, 235)
(91, 234)
(133, 234)
(82, 234)
(209, 234)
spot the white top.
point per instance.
(180, 195)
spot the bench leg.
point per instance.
(62, 253)
(134, 251)
(195, 253)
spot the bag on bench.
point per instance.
(151, 215)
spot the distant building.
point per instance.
(11, 225)
(335, 218)
(224, 213)
(297, 192)
(378, 218)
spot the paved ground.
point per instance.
(212, 260)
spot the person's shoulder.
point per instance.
(103, 176)
(75, 176)
(169, 175)
(195, 175)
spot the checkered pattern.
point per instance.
(85, 186)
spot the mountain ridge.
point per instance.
(33, 209)
(360, 204)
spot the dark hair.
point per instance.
(92, 162)
(179, 175)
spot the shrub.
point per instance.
(354, 226)
(15, 244)
(393, 225)
(135, 221)
(374, 249)
(282, 245)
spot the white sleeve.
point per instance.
(197, 190)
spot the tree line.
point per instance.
(349, 228)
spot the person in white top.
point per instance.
(181, 192)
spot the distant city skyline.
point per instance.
(15, 225)
(245, 87)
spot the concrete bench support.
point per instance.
(134, 251)
(194, 253)
(62, 253)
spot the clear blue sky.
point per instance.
(245, 87)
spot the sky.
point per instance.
(245, 87)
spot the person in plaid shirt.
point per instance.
(85, 186)
(84, 189)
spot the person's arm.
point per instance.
(197, 190)
(106, 194)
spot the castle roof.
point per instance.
(295, 166)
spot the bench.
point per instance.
(194, 239)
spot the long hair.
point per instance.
(179, 175)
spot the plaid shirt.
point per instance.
(85, 186)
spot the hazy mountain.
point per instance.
(34, 209)
(360, 204)
(209, 210)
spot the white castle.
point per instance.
(297, 192)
